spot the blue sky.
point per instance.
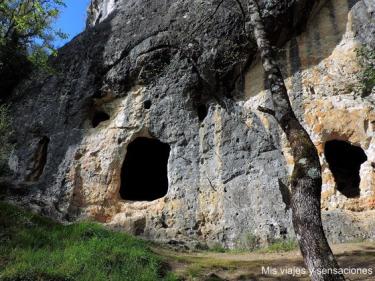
(72, 19)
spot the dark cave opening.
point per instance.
(39, 160)
(202, 111)
(344, 162)
(147, 104)
(99, 117)
(144, 172)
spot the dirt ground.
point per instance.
(260, 266)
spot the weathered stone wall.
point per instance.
(228, 174)
(99, 10)
(322, 69)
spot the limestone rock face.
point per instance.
(322, 69)
(99, 10)
(183, 72)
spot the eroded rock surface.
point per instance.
(184, 72)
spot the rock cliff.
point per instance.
(184, 74)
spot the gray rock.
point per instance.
(227, 173)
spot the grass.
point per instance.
(277, 246)
(198, 267)
(35, 248)
(217, 248)
(280, 246)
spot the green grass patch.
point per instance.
(217, 248)
(249, 243)
(35, 248)
(280, 246)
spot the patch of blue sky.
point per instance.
(72, 20)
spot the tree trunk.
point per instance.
(306, 178)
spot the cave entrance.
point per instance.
(344, 162)
(99, 117)
(144, 172)
(38, 161)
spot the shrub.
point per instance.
(366, 58)
(281, 245)
(5, 147)
(248, 241)
(218, 248)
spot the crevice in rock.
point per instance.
(147, 104)
(38, 161)
(144, 172)
(285, 194)
(99, 117)
(344, 162)
(202, 112)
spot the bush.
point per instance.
(218, 248)
(248, 241)
(5, 147)
(14, 66)
(281, 245)
(366, 58)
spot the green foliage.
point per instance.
(4, 133)
(281, 245)
(35, 248)
(366, 57)
(248, 242)
(194, 271)
(30, 23)
(218, 248)
(26, 38)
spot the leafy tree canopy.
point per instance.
(26, 36)
(28, 23)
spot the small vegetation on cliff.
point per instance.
(35, 248)
(366, 57)
(4, 133)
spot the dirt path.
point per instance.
(210, 266)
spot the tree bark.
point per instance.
(306, 178)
